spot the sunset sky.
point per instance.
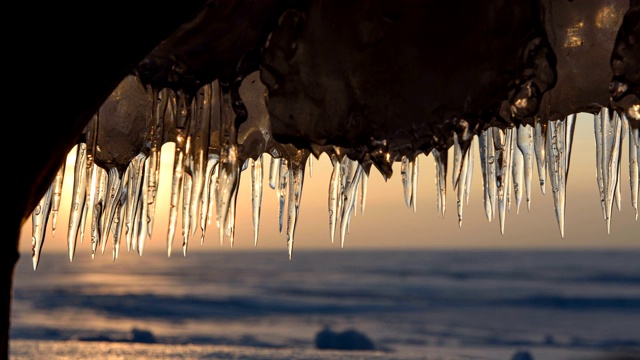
(388, 223)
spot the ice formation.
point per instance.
(116, 194)
(294, 87)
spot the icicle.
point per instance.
(229, 166)
(555, 161)
(176, 188)
(504, 142)
(78, 200)
(282, 188)
(138, 220)
(334, 193)
(310, 166)
(570, 125)
(525, 145)
(158, 113)
(599, 127)
(540, 148)
(89, 195)
(212, 179)
(618, 194)
(39, 219)
(492, 172)
(349, 200)
(256, 195)
(407, 176)
(487, 163)
(469, 182)
(296, 180)
(345, 166)
(440, 159)
(134, 174)
(274, 172)
(230, 221)
(356, 195)
(112, 196)
(350, 170)
(228, 180)
(464, 180)
(151, 186)
(187, 190)
(612, 164)
(608, 159)
(518, 176)
(141, 225)
(364, 185)
(98, 208)
(457, 160)
(198, 145)
(182, 119)
(55, 197)
(462, 183)
(118, 220)
(414, 183)
(634, 155)
(559, 139)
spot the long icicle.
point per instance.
(134, 174)
(112, 196)
(256, 195)
(406, 177)
(608, 132)
(598, 127)
(525, 145)
(199, 135)
(612, 165)
(283, 179)
(618, 194)
(504, 142)
(55, 197)
(462, 184)
(634, 156)
(485, 144)
(440, 158)
(181, 116)
(349, 201)
(296, 181)
(119, 216)
(458, 157)
(414, 183)
(143, 218)
(229, 165)
(90, 170)
(78, 200)
(208, 194)
(98, 209)
(187, 192)
(540, 148)
(39, 219)
(559, 140)
(518, 175)
(334, 193)
(469, 182)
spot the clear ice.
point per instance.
(208, 160)
(608, 130)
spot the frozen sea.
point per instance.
(409, 304)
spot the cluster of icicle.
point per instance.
(122, 205)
